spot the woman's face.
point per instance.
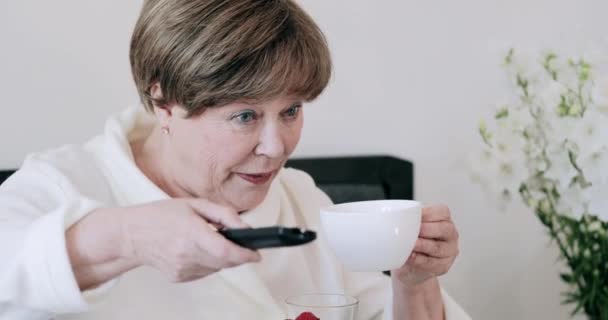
(231, 154)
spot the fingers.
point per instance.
(443, 230)
(218, 248)
(436, 213)
(217, 214)
(434, 266)
(436, 249)
(437, 245)
(225, 252)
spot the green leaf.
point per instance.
(509, 56)
(502, 113)
(547, 65)
(567, 278)
(522, 82)
(584, 70)
(575, 110)
(563, 108)
(485, 134)
(580, 305)
(583, 75)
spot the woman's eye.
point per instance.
(293, 111)
(245, 117)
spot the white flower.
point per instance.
(525, 66)
(595, 227)
(600, 94)
(584, 136)
(510, 174)
(484, 172)
(517, 119)
(508, 158)
(506, 136)
(550, 95)
(556, 125)
(561, 170)
(568, 74)
(559, 129)
(598, 204)
(573, 201)
(500, 168)
(590, 133)
(480, 166)
(595, 166)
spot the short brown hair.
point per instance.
(208, 53)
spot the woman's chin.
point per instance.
(248, 200)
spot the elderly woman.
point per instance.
(124, 226)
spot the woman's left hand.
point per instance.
(435, 250)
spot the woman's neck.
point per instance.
(152, 159)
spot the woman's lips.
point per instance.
(257, 179)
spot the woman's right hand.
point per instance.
(174, 236)
(177, 238)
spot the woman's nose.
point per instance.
(271, 142)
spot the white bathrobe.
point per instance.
(54, 189)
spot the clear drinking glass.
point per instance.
(324, 306)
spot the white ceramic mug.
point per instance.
(374, 235)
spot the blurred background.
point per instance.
(412, 79)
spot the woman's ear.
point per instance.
(163, 112)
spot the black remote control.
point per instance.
(268, 237)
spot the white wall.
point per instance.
(412, 79)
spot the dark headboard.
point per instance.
(359, 178)
(353, 178)
(5, 174)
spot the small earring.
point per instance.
(164, 130)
